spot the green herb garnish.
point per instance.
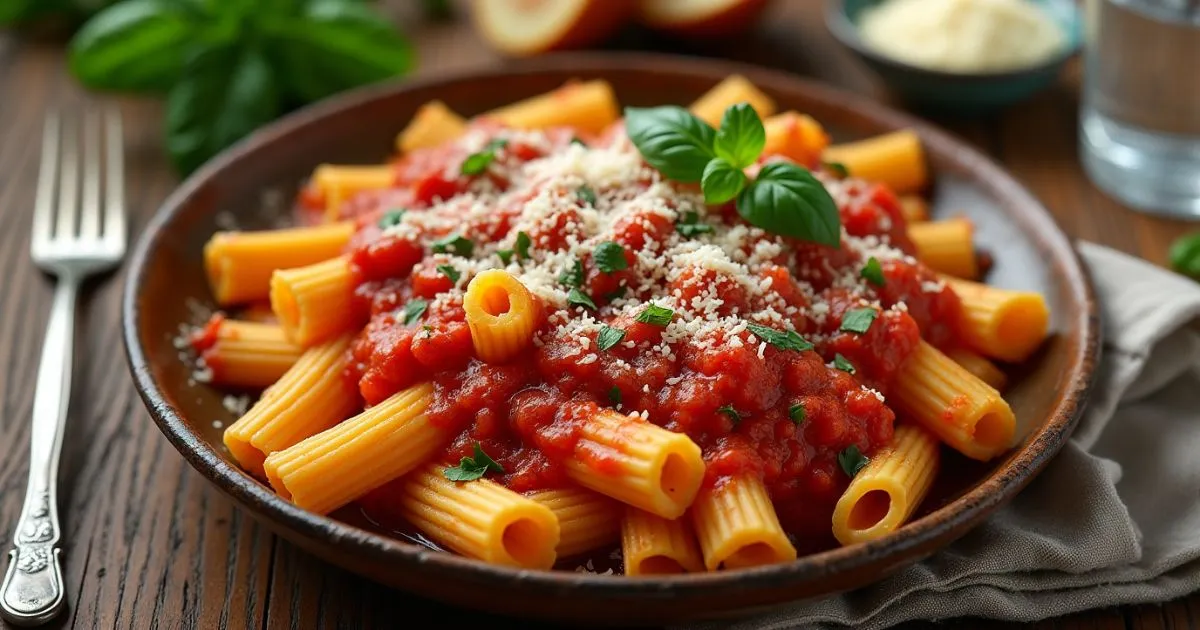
(837, 168)
(454, 244)
(852, 460)
(505, 255)
(477, 163)
(391, 218)
(610, 257)
(579, 298)
(690, 225)
(586, 195)
(450, 272)
(572, 276)
(732, 413)
(784, 340)
(858, 320)
(655, 315)
(873, 272)
(1185, 255)
(797, 414)
(842, 363)
(614, 396)
(609, 337)
(472, 468)
(522, 245)
(414, 310)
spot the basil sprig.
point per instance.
(229, 67)
(783, 199)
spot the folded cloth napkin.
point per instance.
(1114, 519)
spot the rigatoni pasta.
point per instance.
(540, 339)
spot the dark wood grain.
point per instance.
(148, 543)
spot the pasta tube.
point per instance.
(885, 493)
(310, 397)
(434, 124)
(646, 466)
(586, 520)
(653, 545)
(501, 314)
(1002, 324)
(946, 246)
(339, 183)
(976, 364)
(734, 89)
(795, 136)
(914, 208)
(339, 465)
(480, 519)
(944, 398)
(737, 526)
(895, 159)
(240, 264)
(248, 354)
(590, 107)
(313, 303)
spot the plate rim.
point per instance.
(958, 516)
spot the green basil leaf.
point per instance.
(741, 138)
(454, 244)
(610, 257)
(690, 225)
(225, 94)
(842, 363)
(586, 195)
(609, 337)
(732, 413)
(858, 320)
(797, 414)
(837, 168)
(450, 272)
(414, 310)
(614, 396)
(852, 460)
(505, 255)
(472, 468)
(136, 46)
(1185, 255)
(786, 199)
(334, 45)
(572, 276)
(522, 245)
(391, 218)
(579, 298)
(671, 140)
(873, 272)
(784, 340)
(721, 181)
(656, 315)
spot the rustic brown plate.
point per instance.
(167, 280)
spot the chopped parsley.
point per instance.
(858, 320)
(579, 298)
(586, 195)
(477, 163)
(454, 244)
(391, 218)
(842, 363)
(450, 272)
(472, 468)
(572, 276)
(690, 225)
(797, 414)
(523, 243)
(609, 337)
(505, 255)
(610, 257)
(873, 272)
(837, 168)
(614, 396)
(656, 315)
(789, 340)
(414, 310)
(732, 413)
(852, 460)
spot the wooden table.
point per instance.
(149, 543)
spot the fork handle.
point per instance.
(32, 592)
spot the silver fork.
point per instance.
(78, 231)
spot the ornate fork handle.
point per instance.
(32, 592)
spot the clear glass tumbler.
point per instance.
(1140, 121)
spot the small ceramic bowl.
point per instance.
(951, 91)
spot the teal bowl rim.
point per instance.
(846, 32)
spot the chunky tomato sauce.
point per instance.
(541, 209)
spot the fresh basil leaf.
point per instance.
(797, 414)
(138, 45)
(450, 272)
(732, 413)
(334, 45)
(858, 320)
(391, 218)
(842, 363)
(505, 255)
(609, 337)
(614, 396)
(741, 137)
(690, 225)
(784, 340)
(671, 140)
(579, 298)
(224, 95)
(873, 272)
(656, 315)
(1185, 255)
(586, 195)
(572, 276)
(522, 245)
(786, 199)
(610, 257)
(472, 468)
(852, 460)
(414, 310)
(721, 181)
(454, 244)
(837, 168)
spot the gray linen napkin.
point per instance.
(1114, 519)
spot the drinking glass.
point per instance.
(1140, 121)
